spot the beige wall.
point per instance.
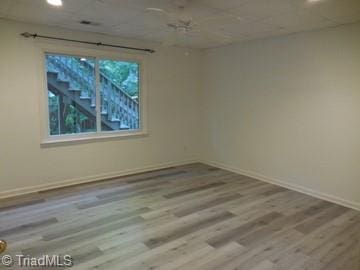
(288, 109)
(282, 109)
(173, 88)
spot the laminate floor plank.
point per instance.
(187, 217)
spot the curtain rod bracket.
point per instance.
(35, 35)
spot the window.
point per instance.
(90, 96)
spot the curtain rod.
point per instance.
(28, 35)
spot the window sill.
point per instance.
(88, 138)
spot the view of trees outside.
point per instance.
(124, 74)
(74, 120)
(54, 114)
(67, 116)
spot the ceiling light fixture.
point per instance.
(56, 3)
(313, 1)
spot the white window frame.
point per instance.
(46, 138)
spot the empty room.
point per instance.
(180, 134)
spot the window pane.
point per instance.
(119, 92)
(71, 94)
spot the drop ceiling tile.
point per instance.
(275, 32)
(260, 9)
(145, 21)
(192, 10)
(213, 37)
(140, 5)
(139, 31)
(199, 41)
(342, 11)
(158, 34)
(105, 14)
(75, 25)
(301, 20)
(222, 4)
(245, 28)
(38, 13)
(69, 6)
(5, 6)
(198, 11)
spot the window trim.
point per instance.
(46, 138)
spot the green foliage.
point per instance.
(123, 74)
(74, 120)
(54, 114)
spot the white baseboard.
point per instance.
(88, 179)
(308, 191)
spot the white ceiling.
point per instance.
(238, 20)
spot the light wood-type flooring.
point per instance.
(186, 217)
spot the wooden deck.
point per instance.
(188, 217)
